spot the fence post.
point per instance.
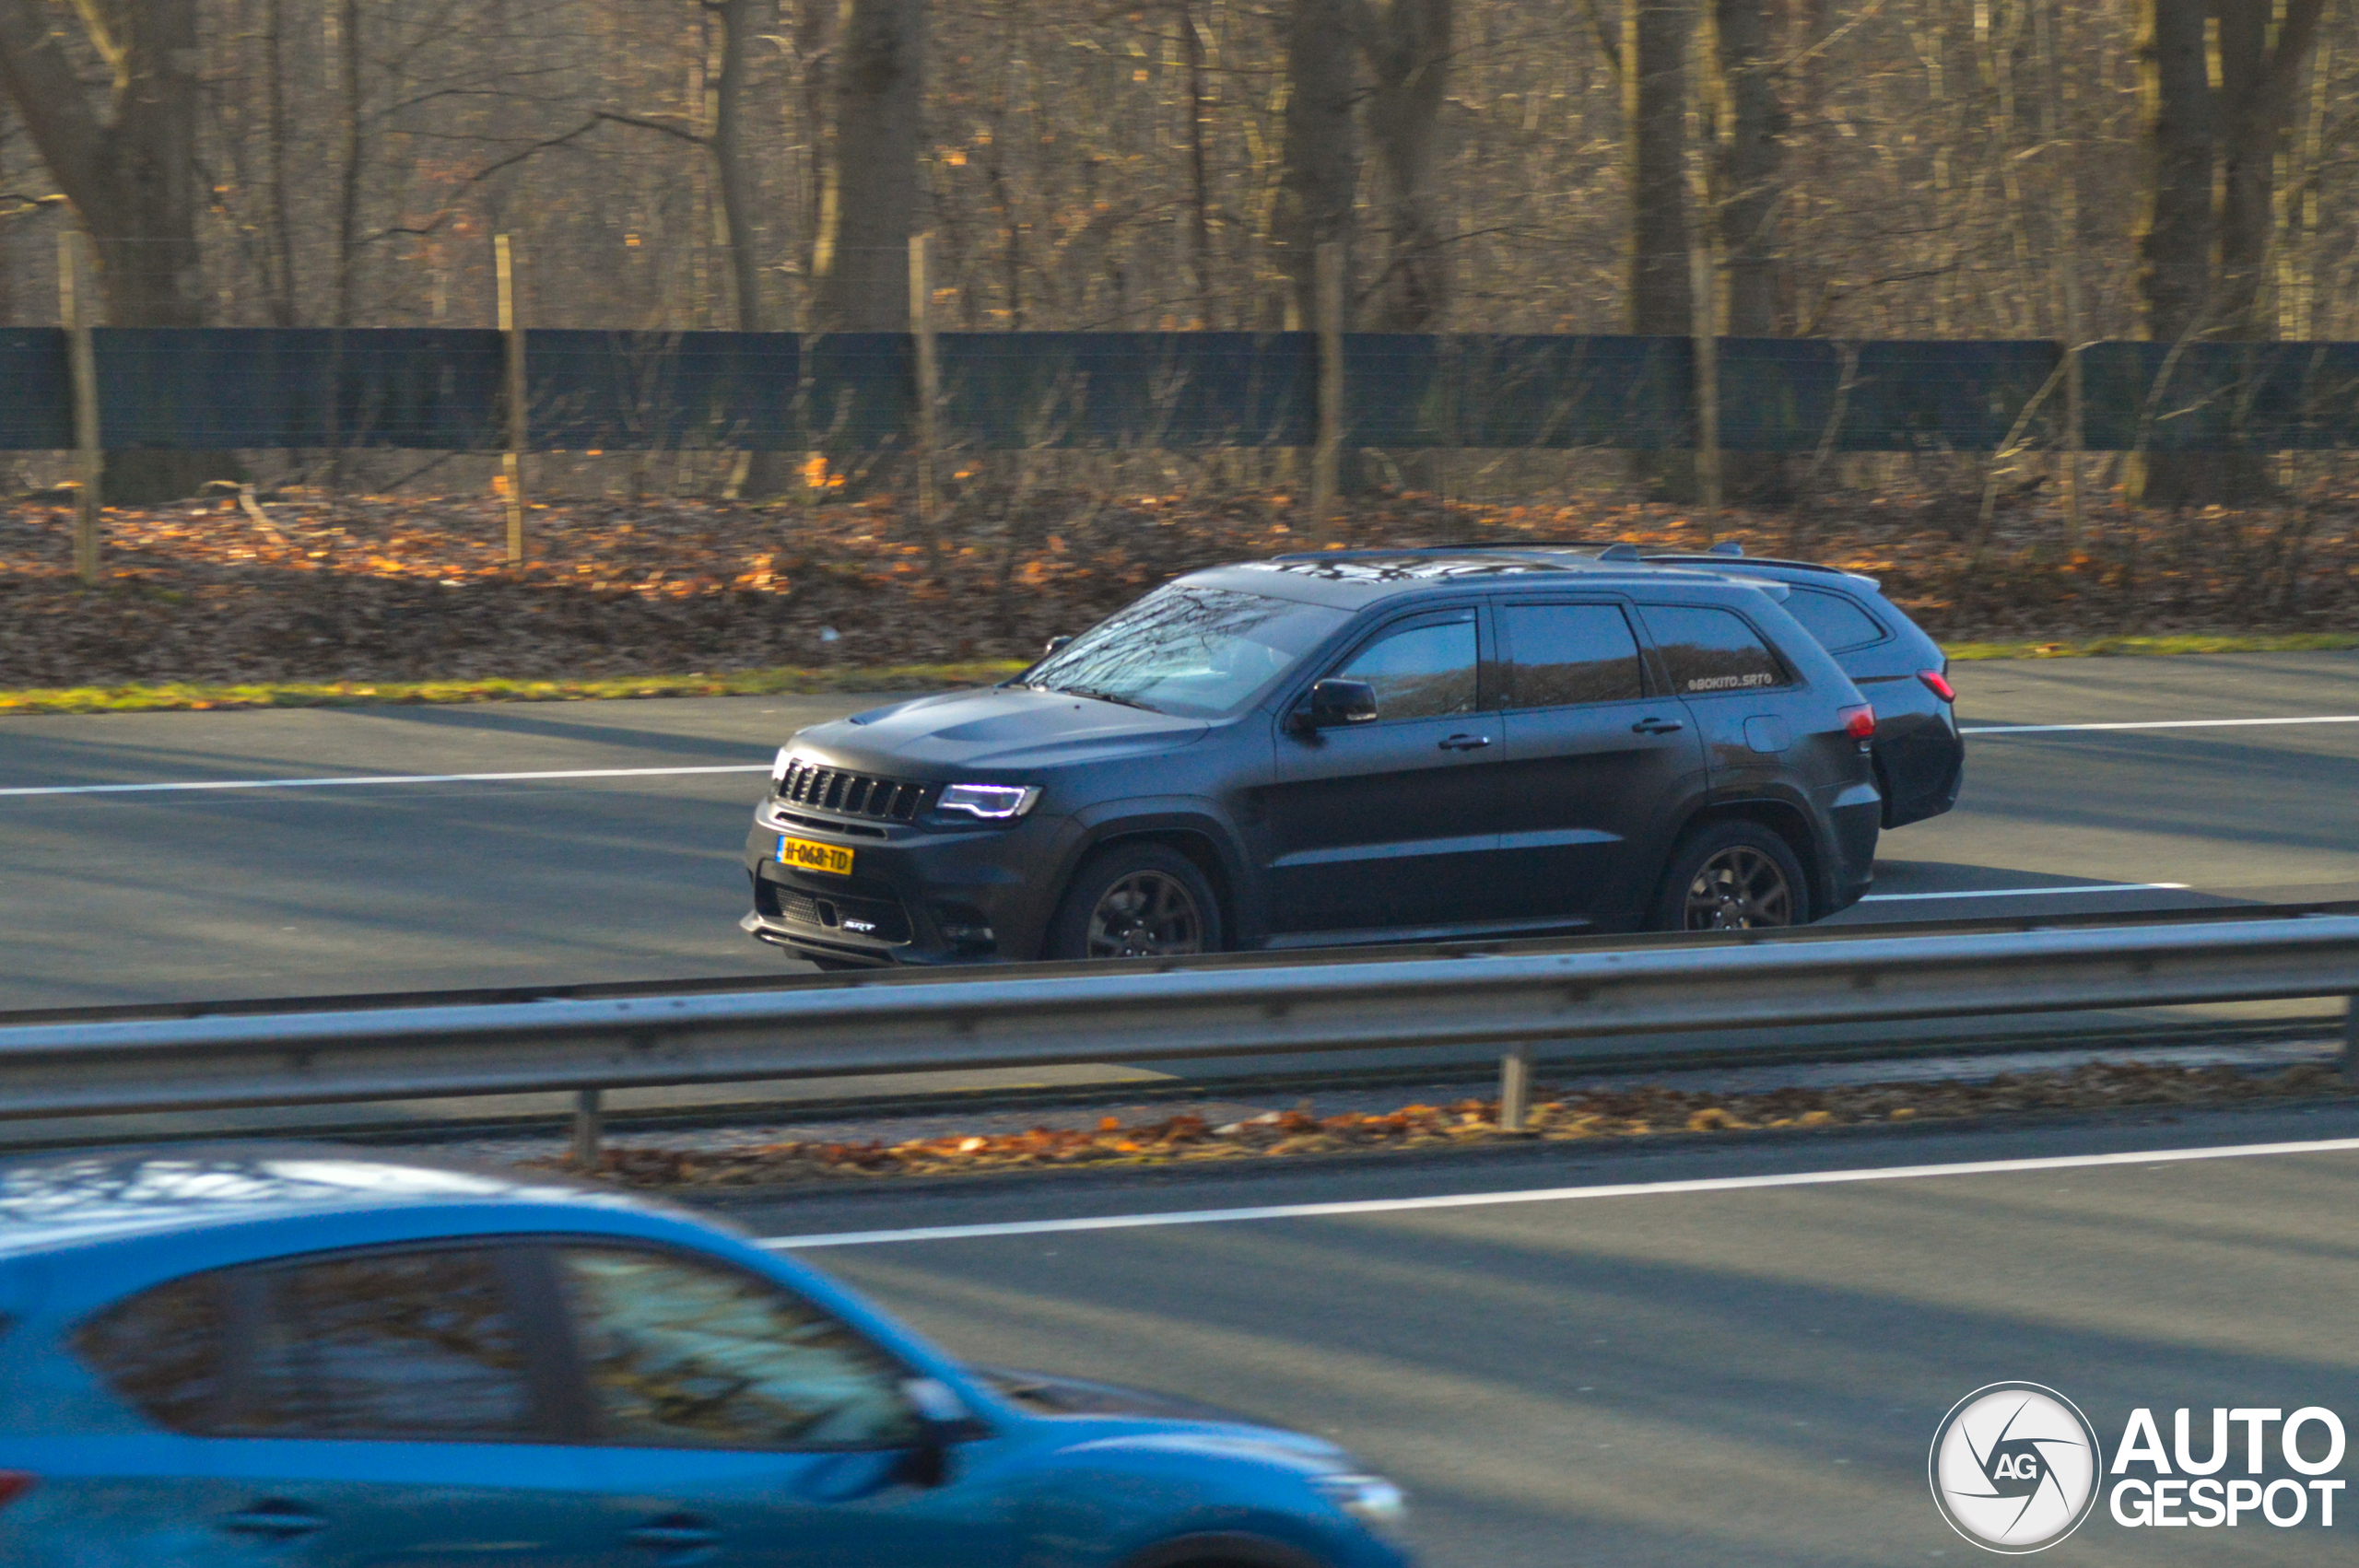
(1515, 1090)
(2351, 1039)
(511, 337)
(1706, 329)
(929, 372)
(74, 309)
(1327, 457)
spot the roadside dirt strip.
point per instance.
(1642, 1111)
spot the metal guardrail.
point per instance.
(1684, 993)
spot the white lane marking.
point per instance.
(380, 778)
(2030, 892)
(1553, 1195)
(2154, 724)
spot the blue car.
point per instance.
(281, 1356)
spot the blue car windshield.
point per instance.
(1193, 652)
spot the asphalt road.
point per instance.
(1741, 1375)
(168, 894)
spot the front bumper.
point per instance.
(924, 893)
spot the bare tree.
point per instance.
(121, 150)
(869, 203)
(1660, 298)
(1408, 48)
(1320, 175)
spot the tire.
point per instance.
(1135, 901)
(1731, 875)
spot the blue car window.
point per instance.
(163, 1352)
(685, 1354)
(390, 1345)
(1839, 624)
(1419, 671)
(1570, 653)
(1710, 650)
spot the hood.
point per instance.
(995, 728)
(1163, 1421)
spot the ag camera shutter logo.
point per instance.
(2014, 1468)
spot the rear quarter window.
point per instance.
(1706, 651)
(1839, 624)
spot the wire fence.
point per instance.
(443, 390)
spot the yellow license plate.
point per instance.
(804, 855)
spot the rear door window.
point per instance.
(1706, 650)
(405, 1345)
(1564, 654)
(1839, 624)
(1425, 670)
(164, 1352)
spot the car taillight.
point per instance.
(1938, 683)
(1859, 723)
(15, 1484)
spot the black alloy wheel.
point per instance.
(1732, 876)
(1146, 915)
(1140, 901)
(1739, 889)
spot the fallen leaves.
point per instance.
(1641, 1112)
(310, 588)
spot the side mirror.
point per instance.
(942, 1420)
(1337, 703)
(1054, 643)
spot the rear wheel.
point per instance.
(1136, 901)
(1732, 876)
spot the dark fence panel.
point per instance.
(1015, 391)
(36, 389)
(440, 389)
(209, 388)
(2221, 396)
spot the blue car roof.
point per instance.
(49, 1201)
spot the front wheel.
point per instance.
(1732, 876)
(1136, 901)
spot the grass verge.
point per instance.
(351, 694)
(2128, 647)
(888, 678)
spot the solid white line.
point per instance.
(2154, 724)
(2029, 892)
(1553, 1194)
(380, 778)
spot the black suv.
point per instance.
(1350, 746)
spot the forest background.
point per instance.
(2071, 170)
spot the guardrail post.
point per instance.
(2351, 1039)
(1515, 1090)
(589, 1125)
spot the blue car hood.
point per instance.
(997, 728)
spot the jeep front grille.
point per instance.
(849, 794)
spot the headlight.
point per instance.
(994, 803)
(1372, 1499)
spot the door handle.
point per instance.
(674, 1532)
(1656, 726)
(280, 1520)
(1465, 743)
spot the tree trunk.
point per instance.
(1408, 47)
(1749, 195)
(744, 24)
(124, 156)
(1322, 167)
(869, 202)
(1654, 135)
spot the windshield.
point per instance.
(1191, 651)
